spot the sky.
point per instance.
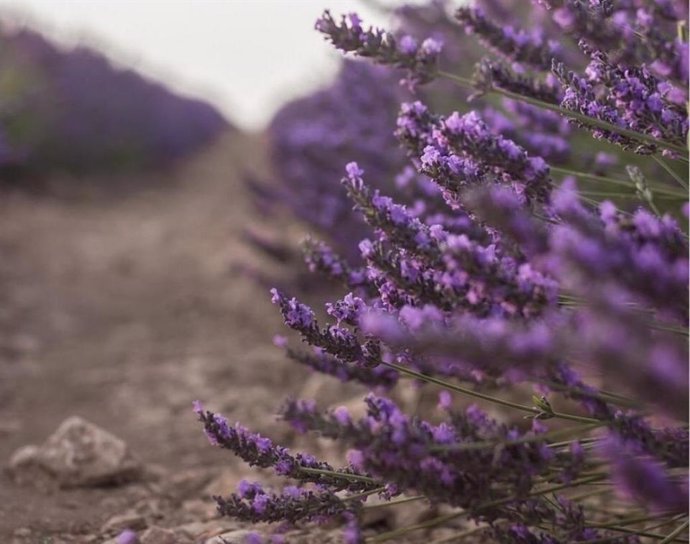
(247, 57)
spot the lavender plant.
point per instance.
(314, 137)
(73, 110)
(508, 262)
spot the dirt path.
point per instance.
(124, 310)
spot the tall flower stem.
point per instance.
(525, 440)
(626, 183)
(496, 400)
(608, 194)
(435, 522)
(673, 534)
(683, 183)
(363, 494)
(334, 474)
(395, 502)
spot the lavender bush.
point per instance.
(529, 258)
(74, 110)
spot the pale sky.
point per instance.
(245, 56)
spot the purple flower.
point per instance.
(260, 451)
(641, 478)
(382, 47)
(353, 170)
(431, 47)
(292, 504)
(127, 537)
(517, 46)
(408, 45)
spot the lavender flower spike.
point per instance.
(348, 35)
(260, 451)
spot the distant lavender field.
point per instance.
(73, 110)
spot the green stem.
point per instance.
(670, 328)
(605, 194)
(613, 181)
(334, 474)
(666, 522)
(460, 389)
(364, 494)
(394, 502)
(483, 396)
(673, 534)
(683, 183)
(588, 494)
(654, 207)
(449, 517)
(568, 442)
(464, 82)
(640, 533)
(574, 302)
(604, 396)
(573, 417)
(628, 521)
(536, 438)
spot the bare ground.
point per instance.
(124, 309)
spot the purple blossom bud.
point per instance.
(408, 45)
(127, 537)
(353, 170)
(342, 415)
(431, 47)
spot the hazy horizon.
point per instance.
(245, 57)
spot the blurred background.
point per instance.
(141, 224)
(245, 57)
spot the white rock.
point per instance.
(80, 453)
(24, 457)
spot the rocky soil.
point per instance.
(121, 308)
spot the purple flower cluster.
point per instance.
(312, 139)
(257, 450)
(334, 340)
(486, 269)
(461, 150)
(437, 267)
(631, 98)
(434, 460)
(541, 132)
(253, 503)
(348, 35)
(516, 45)
(320, 361)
